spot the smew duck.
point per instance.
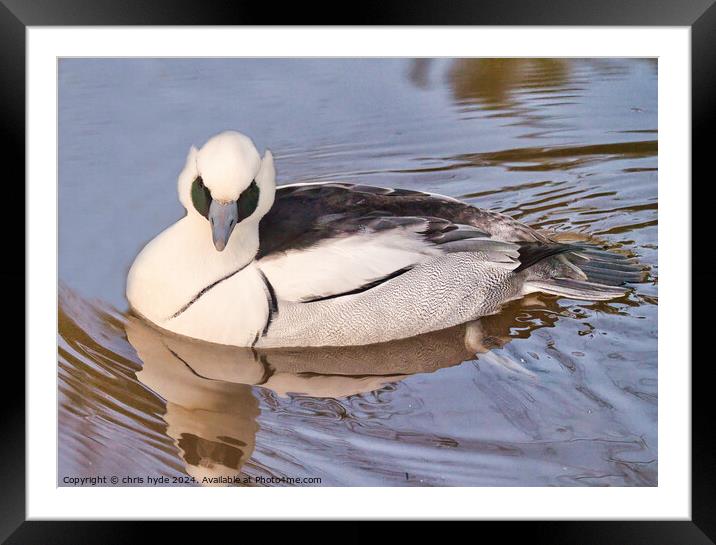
(337, 264)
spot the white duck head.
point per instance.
(227, 186)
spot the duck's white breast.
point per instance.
(181, 283)
(234, 311)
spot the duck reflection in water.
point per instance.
(211, 410)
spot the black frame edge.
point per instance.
(369, 12)
(550, 532)
(703, 118)
(12, 402)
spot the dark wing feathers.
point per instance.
(443, 233)
(531, 253)
(304, 215)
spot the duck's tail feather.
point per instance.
(610, 268)
(575, 289)
(587, 273)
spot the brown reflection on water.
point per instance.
(199, 395)
(105, 415)
(493, 81)
(552, 158)
(210, 408)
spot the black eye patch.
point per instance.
(200, 197)
(248, 201)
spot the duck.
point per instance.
(341, 264)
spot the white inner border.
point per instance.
(671, 499)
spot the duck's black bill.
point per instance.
(223, 217)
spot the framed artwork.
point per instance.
(408, 270)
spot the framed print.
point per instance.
(381, 272)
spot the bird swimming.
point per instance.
(339, 264)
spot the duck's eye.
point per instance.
(200, 197)
(248, 201)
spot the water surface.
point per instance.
(550, 392)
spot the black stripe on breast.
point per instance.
(364, 287)
(272, 302)
(203, 291)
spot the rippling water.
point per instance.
(550, 392)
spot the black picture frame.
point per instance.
(16, 15)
